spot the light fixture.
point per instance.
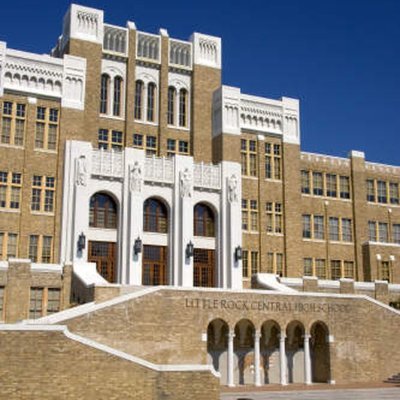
(81, 241)
(137, 247)
(238, 253)
(189, 249)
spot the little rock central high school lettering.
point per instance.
(263, 305)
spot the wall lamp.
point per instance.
(137, 246)
(81, 241)
(189, 249)
(238, 253)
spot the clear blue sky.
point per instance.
(341, 58)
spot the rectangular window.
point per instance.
(270, 263)
(53, 300)
(46, 132)
(308, 267)
(151, 145)
(33, 247)
(333, 228)
(248, 155)
(344, 182)
(43, 193)
(245, 263)
(1, 303)
(36, 303)
(336, 272)
(254, 262)
(273, 161)
(245, 219)
(2, 245)
(171, 147)
(249, 215)
(318, 227)
(10, 190)
(13, 123)
(274, 217)
(370, 190)
(183, 147)
(383, 232)
(307, 226)
(396, 233)
(320, 268)
(318, 187)
(331, 185)
(381, 190)
(46, 249)
(279, 264)
(348, 269)
(8, 245)
(110, 139)
(253, 215)
(385, 271)
(305, 182)
(394, 193)
(275, 263)
(372, 231)
(347, 232)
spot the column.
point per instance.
(282, 358)
(307, 360)
(231, 336)
(257, 378)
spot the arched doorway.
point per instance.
(244, 352)
(217, 347)
(270, 369)
(320, 353)
(155, 258)
(204, 259)
(295, 352)
(103, 214)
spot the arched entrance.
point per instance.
(270, 370)
(217, 347)
(244, 352)
(320, 353)
(295, 352)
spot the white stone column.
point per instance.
(257, 377)
(282, 358)
(307, 360)
(231, 336)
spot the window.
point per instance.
(8, 245)
(381, 190)
(155, 216)
(13, 123)
(274, 217)
(151, 93)
(1, 303)
(336, 272)
(313, 226)
(273, 161)
(318, 227)
(370, 190)
(308, 267)
(320, 268)
(53, 300)
(331, 185)
(203, 221)
(249, 157)
(348, 269)
(245, 264)
(254, 262)
(110, 139)
(36, 303)
(318, 187)
(105, 83)
(372, 231)
(43, 190)
(102, 211)
(138, 99)
(40, 248)
(347, 234)
(117, 96)
(344, 182)
(396, 233)
(275, 263)
(10, 190)
(171, 105)
(394, 193)
(307, 226)
(46, 132)
(146, 142)
(385, 271)
(334, 228)
(383, 232)
(183, 107)
(249, 215)
(305, 182)
(183, 147)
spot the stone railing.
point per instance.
(159, 169)
(148, 47)
(115, 40)
(180, 54)
(387, 169)
(326, 159)
(207, 176)
(107, 163)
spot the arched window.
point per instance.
(155, 216)
(102, 211)
(203, 221)
(138, 99)
(182, 107)
(105, 82)
(151, 92)
(171, 105)
(117, 96)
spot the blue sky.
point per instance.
(341, 58)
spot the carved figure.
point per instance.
(233, 189)
(185, 184)
(81, 171)
(136, 179)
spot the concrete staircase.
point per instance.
(394, 379)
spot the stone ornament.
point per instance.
(136, 178)
(185, 183)
(233, 189)
(81, 171)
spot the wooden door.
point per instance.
(154, 271)
(204, 268)
(104, 255)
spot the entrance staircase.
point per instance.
(394, 379)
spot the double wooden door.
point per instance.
(104, 255)
(154, 270)
(204, 268)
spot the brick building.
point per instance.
(124, 162)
